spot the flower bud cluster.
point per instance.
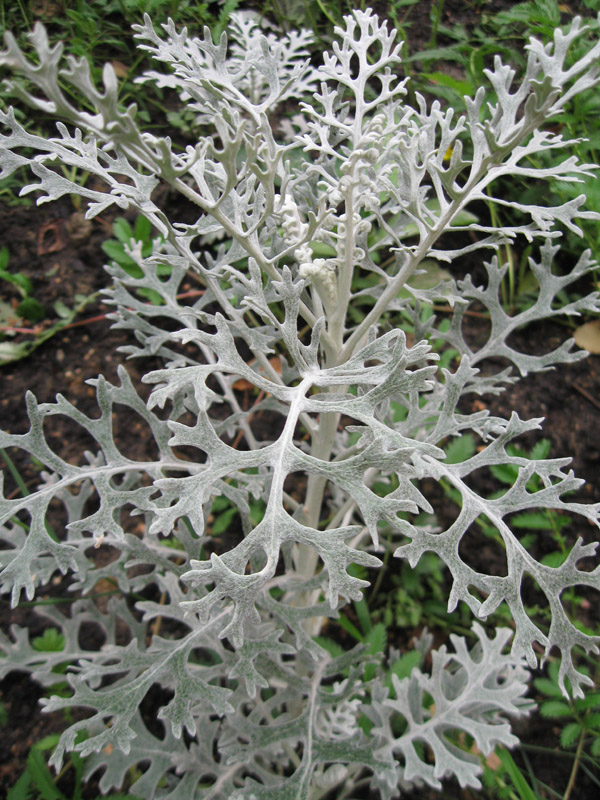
(361, 226)
(322, 272)
(358, 177)
(357, 170)
(294, 229)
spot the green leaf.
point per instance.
(78, 765)
(460, 449)
(48, 742)
(364, 615)
(591, 700)
(164, 270)
(569, 734)
(376, 639)
(122, 230)
(333, 648)
(532, 520)
(555, 708)
(462, 87)
(548, 687)
(51, 641)
(540, 450)
(13, 351)
(22, 788)
(430, 274)
(62, 310)
(150, 295)
(399, 410)
(220, 503)
(41, 776)
(142, 231)
(403, 666)
(223, 521)
(31, 309)
(116, 251)
(506, 473)
(22, 282)
(351, 628)
(592, 722)
(554, 559)
(7, 314)
(515, 774)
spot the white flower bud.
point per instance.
(303, 254)
(291, 221)
(371, 201)
(322, 273)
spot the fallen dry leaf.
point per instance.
(243, 385)
(120, 69)
(588, 336)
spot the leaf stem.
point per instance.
(575, 767)
(14, 472)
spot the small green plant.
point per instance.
(51, 641)
(28, 307)
(29, 311)
(578, 720)
(37, 782)
(578, 717)
(504, 780)
(140, 239)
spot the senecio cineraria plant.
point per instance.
(307, 245)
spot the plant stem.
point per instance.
(436, 18)
(575, 767)
(14, 472)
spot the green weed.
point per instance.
(38, 783)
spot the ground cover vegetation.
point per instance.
(285, 237)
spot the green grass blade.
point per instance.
(523, 788)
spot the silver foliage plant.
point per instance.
(295, 233)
